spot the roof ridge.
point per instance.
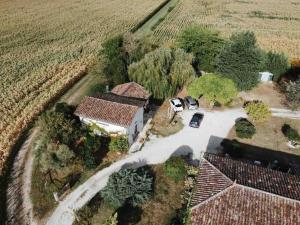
(135, 106)
(215, 195)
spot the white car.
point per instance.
(176, 104)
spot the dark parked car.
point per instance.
(190, 102)
(196, 120)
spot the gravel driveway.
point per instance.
(156, 150)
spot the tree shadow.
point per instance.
(129, 215)
(187, 153)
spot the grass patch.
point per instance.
(175, 169)
(163, 125)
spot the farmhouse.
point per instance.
(132, 90)
(116, 115)
(234, 192)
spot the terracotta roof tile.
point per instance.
(120, 99)
(240, 205)
(132, 90)
(108, 111)
(265, 179)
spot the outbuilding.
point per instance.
(115, 115)
(265, 76)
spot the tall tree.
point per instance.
(276, 63)
(241, 60)
(163, 71)
(203, 43)
(214, 88)
(115, 67)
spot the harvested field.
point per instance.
(47, 45)
(275, 22)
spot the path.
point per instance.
(285, 113)
(214, 127)
(19, 207)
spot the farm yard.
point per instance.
(47, 45)
(275, 23)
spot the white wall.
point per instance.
(116, 129)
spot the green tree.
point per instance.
(276, 63)
(203, 43)
(55, 158)
(241, 60)
(258, 111)
(214, 88)
(133, 186)
(244, 129)
(115, 67)
(292, 93)
(163, 71)
(57, 127)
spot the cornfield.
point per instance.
(47, 45)
(276, 23)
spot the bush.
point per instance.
(244, 129)
(214, 88)
(112, 220)
(258, 111)
(204, 44)
(291, 133)
(241, 60)
(175, 168)
(119, 144)
(133, 186)
(292, 93)
(276, 63)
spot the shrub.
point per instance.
(119, 143)
(276, 63)
(214, 88)
(204, 44)
(175, 168)
(258, 111)
(112, 220)
(244, 129)
(133, 186)
(291, 133)
(241, 60)
(292, 93)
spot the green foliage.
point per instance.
(55, 158)
(258, 111)
(244, 129)
(57, 127)
(241, 60)
(291, 133)
(65, 108)
(214, 88)
(292, 93)
(276, 63)
(175, 168)
(112, 220)
(163, 71)
(203, 43)
(114, 62)
(119, 143)
(133, 186)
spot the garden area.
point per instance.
(157, 194)
(66, 154)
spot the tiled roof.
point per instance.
(231, 192)
(106, 111)
(120, 99)
(240, 205)
(132, 90)
(209, 182)
(265, 179)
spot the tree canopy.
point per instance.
(163, 71)
(133, 186)
(241, 60)
(203, 43)
(214, 88)
(276, 63)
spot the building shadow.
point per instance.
(187, 153)
(265, 157)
